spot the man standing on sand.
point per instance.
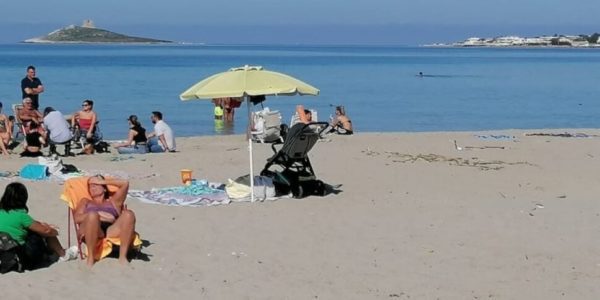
(165, 140)
(31, 87)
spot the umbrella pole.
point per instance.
(249, 136)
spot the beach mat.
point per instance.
(197, 194)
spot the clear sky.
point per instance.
(304, 21)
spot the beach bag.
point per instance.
(240, 188)
(54, 165)
(34, 172)
(68, 168)
(9, 260)
(35, 251)
(102, 147)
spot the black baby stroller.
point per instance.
(297, 175)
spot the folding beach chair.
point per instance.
(267, 126)
(20, 131)
(297, 174)
(74, 190)
(315, 126)
(80, 138)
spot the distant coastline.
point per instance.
(568, 41)
(87, 33)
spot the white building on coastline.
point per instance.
(506, 41)
(474, 41)
(516, 41)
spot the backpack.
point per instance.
(102, 147)
(9, 260)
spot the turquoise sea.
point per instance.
(464, 88)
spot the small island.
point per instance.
(580, 41)
(88, 33)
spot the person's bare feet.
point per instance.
(123, 260)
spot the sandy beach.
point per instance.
(416, 218)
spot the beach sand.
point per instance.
(415, 219)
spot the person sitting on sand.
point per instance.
(34, 141)
(5, 132)
(105, 215)
(341, 124)
(136, 139)
(35, 238)
(162, 139)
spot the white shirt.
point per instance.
(59, 128)
(161, 128)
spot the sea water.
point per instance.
(462, 88)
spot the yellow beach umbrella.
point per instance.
(248, 81)
(244, 82)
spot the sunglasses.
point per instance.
(83, 105)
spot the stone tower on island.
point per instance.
(88, 24)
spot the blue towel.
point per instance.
(34, 172)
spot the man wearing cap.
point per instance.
(31, 87)
(5, 132)
(165, 140)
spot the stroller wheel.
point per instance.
(321, 190)
(297, 191)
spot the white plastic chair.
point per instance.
(267, 126)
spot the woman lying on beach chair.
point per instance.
(103, 214)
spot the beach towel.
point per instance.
(76, 189)
(199, 193)
(34, 172)
(9, 175)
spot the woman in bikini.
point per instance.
(5, 132)
(34, 141)
(341, 123)
(104, 215)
